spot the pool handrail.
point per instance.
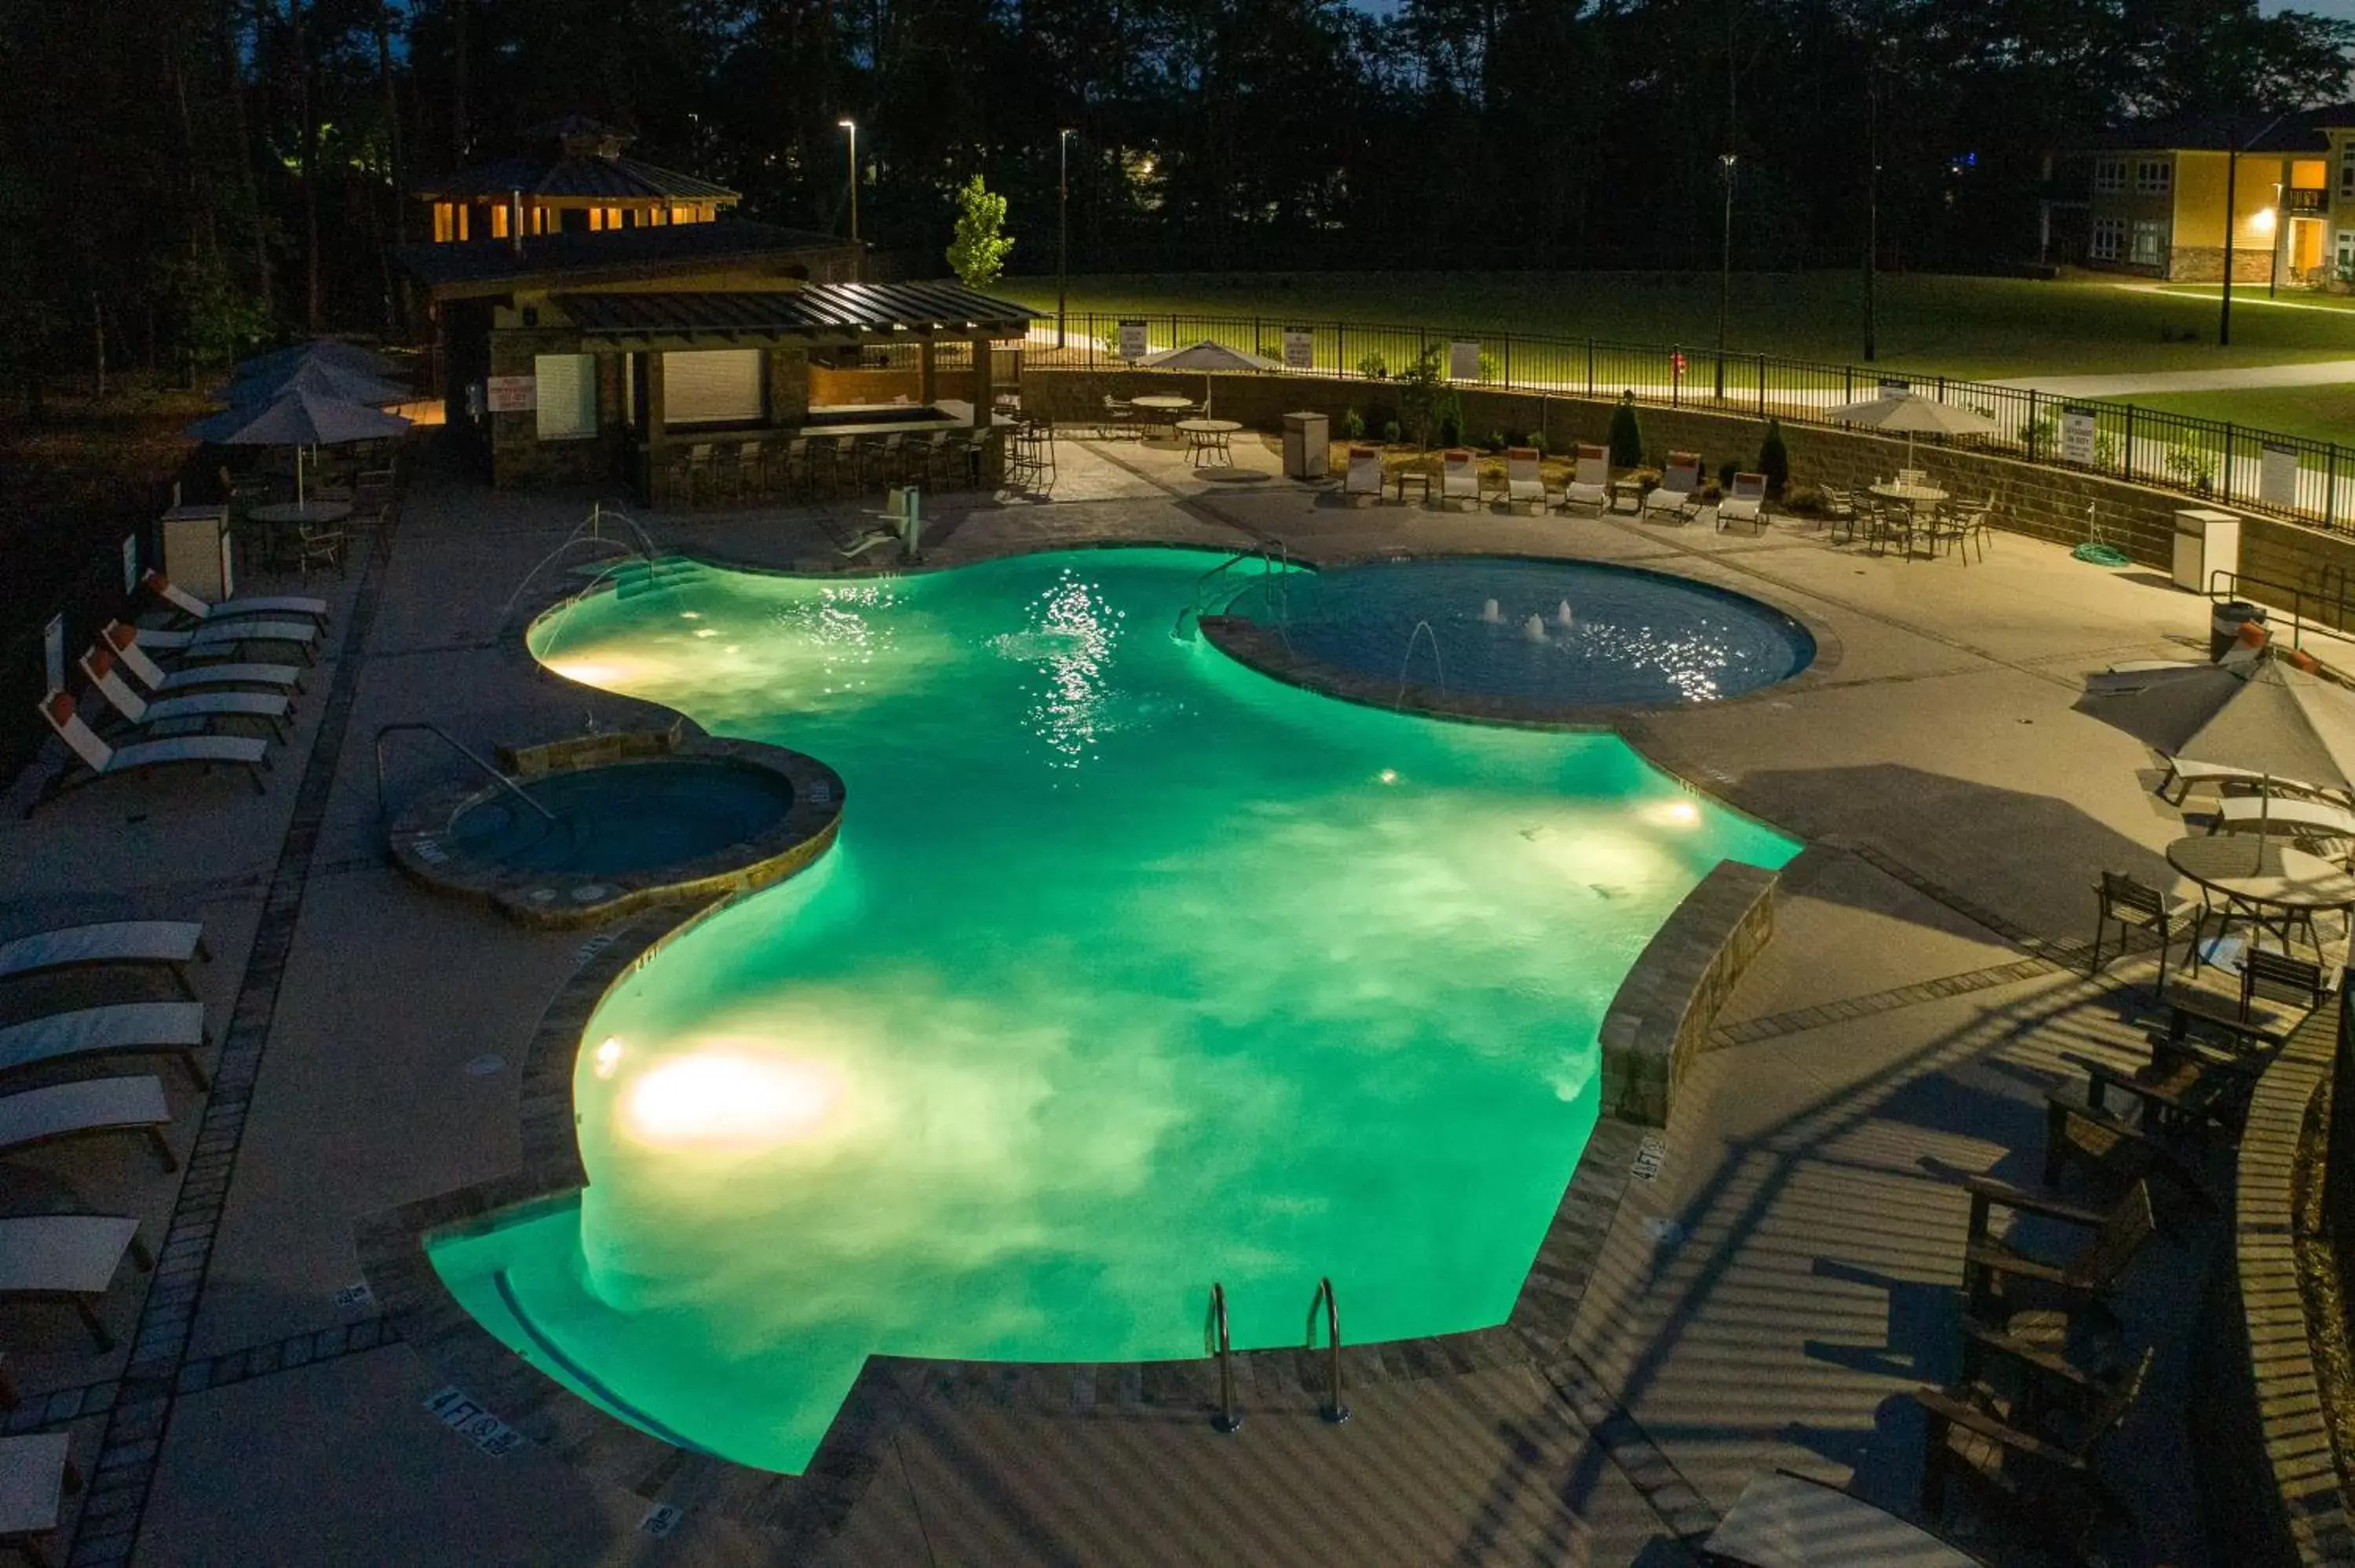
(1334, 1411)
(1229, 1418)
(501, 779)
(1270, 554)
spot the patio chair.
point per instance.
(702, 473)
(1590, 481)
(119, 1029)
(2301, 984)
(100, 761)
(2047, 1478)
(1747, 504)
(1119, 416)
(137, 713)
(1459, 478)
(86, 1107)
(36, 1474)
(1363, 482)
(1524, 479)
(69, 1258)
(1679, 488)
(2088, 1274)
(1844, 512)
(195, 612)
(2183, 1096)
(123, 642)
(751, 472)
(2127, 902)
(2085, 1133)
(172, 944)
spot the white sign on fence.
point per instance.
(511, 394)
(1464, 359)
(2277, 477)
(2077, 426)
(1299, 348)
(53, 653)
(1132, 340)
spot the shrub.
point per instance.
(1374, 367)
(1725, 472)
(1644, 475)
(1424, 396)
(1538, 442)
(1390, 433)
(1451, 426)
(1353, 424)
(1774, 458)
(1627, 437)
(2190, 464)
(1805, 500)
(1496, 442)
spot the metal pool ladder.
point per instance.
(1229, 1418)
(1275, 560)
(501, 779)
(1334, 1411)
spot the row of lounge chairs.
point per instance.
(1523, 487)
(149, 716)
(75, 1258)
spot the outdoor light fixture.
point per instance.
(852, 126)
(1062, 227)
(1725, 163)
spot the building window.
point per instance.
(2149, 243)
(2347, 170)
(499, 222)
(568, 396)
(2154, 176)
(2347, 253)
(2109, 176)
(2108, 238)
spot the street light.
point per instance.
(1725, 162)
(2231, 169)
(852, 127)
(2268, 223)
(1062, 226)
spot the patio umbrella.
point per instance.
(318, 350)
(324, 378)
(297, 420)
(1915, 415)
(1206, 357)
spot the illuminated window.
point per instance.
(2108, 238)
(2109, 176)
(657, 216)
(2347, 170)
(2154, 176)
(445, 227)
(499, 222)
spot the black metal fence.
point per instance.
(2241, 466)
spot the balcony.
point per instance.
(2297, 200)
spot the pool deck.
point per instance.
(1765, 1300)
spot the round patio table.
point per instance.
(1911, 495)
(311, 512)
(1205, 441)
(1162, 408)
(2270, 885)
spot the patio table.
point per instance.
(1419, 478)
(2270, 885)
(1205, 441)
(1788, 1521)
(1630, 491)
(1161, 409)
(312, 512)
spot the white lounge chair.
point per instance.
(91, 1105)
(1524, 479)
(138, 713)
(1589, 485)
(197, 610)
(123, 642)
(1747, 504)
(121, 1029)
(168, 942)
(2189, 775)
(36, 1472)
(1459, 478)
(76, 1256)
(2290, 817)
(100, 761)
(217, 638)
(1680, 487)
(1364, 478)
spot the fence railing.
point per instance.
(2231, 464)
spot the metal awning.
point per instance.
(816, 313)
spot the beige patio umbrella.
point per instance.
(1913, 415)
(1206, 357)
(2279, 722)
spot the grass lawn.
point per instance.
(2320, 413)
(2255, 296)
(1980, 328)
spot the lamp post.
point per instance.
(1725, 162)
(852, 126)
(1062, 227)
(1871, 200)
(2273, 222)
(2231, 169)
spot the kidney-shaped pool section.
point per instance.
(1131, 969)
(1561, 634)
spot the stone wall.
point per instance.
(518, 457)
(2205, 263)
(1669, 999)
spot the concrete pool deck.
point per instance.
(1765, 1300)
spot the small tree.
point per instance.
(978, 248)
(1422, 391)
(1626, 438)
(1773, 458)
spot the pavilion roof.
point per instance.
(841, 312)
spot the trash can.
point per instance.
(2224, 626)
(2206, 542)
(1308, 437)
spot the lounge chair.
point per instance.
(70, 1257)
(124, 641)
(2089, 1272)
(1680, 487)
(2290, 817)
(1459, 478)
(169, 942)
(37, 1471)
(218, 637)
(1747, 504)
(2184, 776)
(198, 611)
(1364, 478)
(91, 1105)
(1590, 481)
(123, 1028)
(100, 761)
(139, 713)
(1524, 480)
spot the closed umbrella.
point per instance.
(321, 376)
(297, 420)
(1206, 357)
(1913, 415)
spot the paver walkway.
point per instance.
(2321, 373)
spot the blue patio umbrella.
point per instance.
(325, 377)
(319, 351)
(298, 419)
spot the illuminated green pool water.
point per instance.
(1132, 970)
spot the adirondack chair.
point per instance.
(2040, 1469)
(2083, 1132)
(2088, 1274)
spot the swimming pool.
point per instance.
(1132, 969)
(623, 817)
(1566, 634)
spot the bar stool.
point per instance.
(794, 466)
(702, 473)
(751, 469)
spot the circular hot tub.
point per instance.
(597, 827)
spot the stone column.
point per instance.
(982, 391)
(657, 480)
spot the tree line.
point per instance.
(179, 177)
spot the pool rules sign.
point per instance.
(1132, 340)
(1299, 348)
